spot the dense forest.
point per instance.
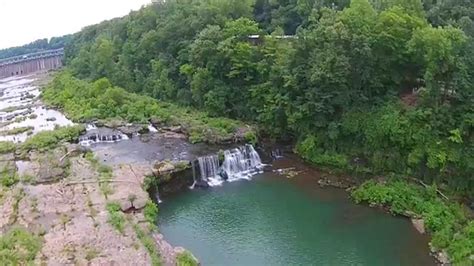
(36, 46)
(368, 86)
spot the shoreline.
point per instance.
(61, 196)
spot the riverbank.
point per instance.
(61, 205)
(449, 224)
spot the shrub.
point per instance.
(18, 247)
(116, 217)
(15, 131)
(151, 212)
(8, 180)
(250, 137)
(149, 245)
(186, 259)
(50, 139)
(7, 146)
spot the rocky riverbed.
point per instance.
(62, 194)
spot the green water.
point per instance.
(272, 220)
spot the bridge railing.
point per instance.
(32, 56)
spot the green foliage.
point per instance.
(250, 137)
(36, 46)
(151, 212)
(386, 82)
(15, 131)
(84, 101)
(6, 147)
(18, 247)
(310, 150)
(186, 259)
(50, 139)
(116, 217)
(149, 244)
(8, 179)
(447, 222)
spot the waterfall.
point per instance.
(89, 139)
(209, 168)
(157, 196)
(241, 163)
(194, 175)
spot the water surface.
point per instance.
(272, 220)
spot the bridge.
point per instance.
(30, 63)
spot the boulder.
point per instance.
(164, 167)
(132, 129)
(419, 225)
(174, 135)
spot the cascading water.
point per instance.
(239, 163)
(89, 139)
(209, 168)
(194, 175)
(242, 163)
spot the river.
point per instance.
(275, 220)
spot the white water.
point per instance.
(209, 167)
(97, 138)
(242, 163)
(152, 129)
(194, 175)
(239, 163)
(90, 127)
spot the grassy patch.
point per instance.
(7, 146)
(18, 247)
(15, 131)
(116, 217)
(92, 253)
(186, 259)
(50, 139)
(149, 244)
(151, 212)
(448, 223)
(17, 197)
